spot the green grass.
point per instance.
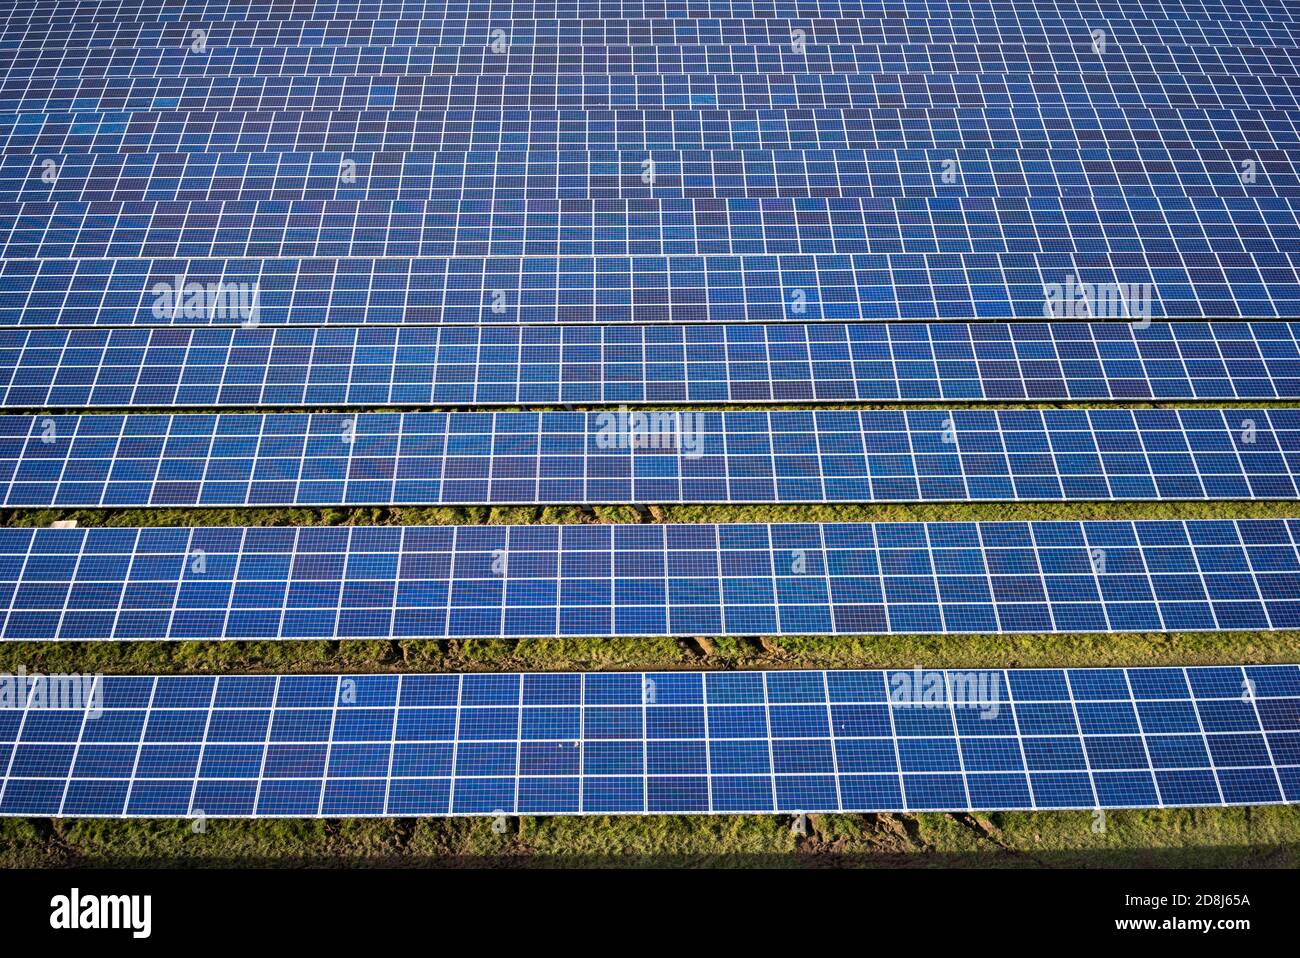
(1205, 838)
(1218, 838)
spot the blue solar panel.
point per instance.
(622, 289)
(1011, 108)
(655, 456)
(980, 141)
(261, 15)
(218, 188)
(809, 236)
(913, 53)
(405, 22)
(651, 743)
(648, 580)
(828, 362)
(543, 163)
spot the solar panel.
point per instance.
(557, 163)
(436, 582)
(932, 57)
(966, 134)
(614, 289)
(654, 743)
(886, 362)
(811, 236)
(408, 20)
(159, 42)
(655, 456)
(1245, 98)
(175, 187)
(131, 13)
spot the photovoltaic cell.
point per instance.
(434, 582)
(654, 743)
(502, 365)
(657, 456)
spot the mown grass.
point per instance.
(1223, 838)
(1205, 838)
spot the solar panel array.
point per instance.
(434, 582)
(475, 203)
(572, 744)
(632, 456)
(453, 366)
(646, 162)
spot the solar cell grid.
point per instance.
(551, 91)
(239, 11)
(774, 225)
(478, 290)
(1183, 132)
(324, 25)
(647, 743)
(1064, 50)
(808, 225)
(661, 456)
(1026, 38)
(331, 24)
(699, 364)
(573, 172)
(649, 580)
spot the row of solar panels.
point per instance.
(441, 582)
(639, 91)
(922, 39)
(1230, 261)
(331, 38)
(727, 742)
(1201, 71)
(512, 289)
(404, 22)
(399, 70)
(915, 43)
(536, 172)
(583, 228)
(416, 10)
(331, 32)
(223, 129)
(872, 73)
(751, 363)
(1060, 48)
(349, 233)
(659, 456)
